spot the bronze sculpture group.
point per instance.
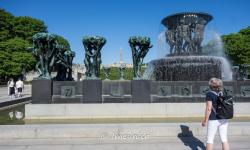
(92, 61)
(185, 33)
(140, 47)
(51, 56)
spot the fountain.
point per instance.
(179, 81)
(186, 61)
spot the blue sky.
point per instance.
(117, 20)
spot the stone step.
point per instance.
(114, 131)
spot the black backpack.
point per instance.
(225, 109)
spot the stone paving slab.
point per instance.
(170, 143)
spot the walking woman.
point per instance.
(11, 85)
(8, 86)
(210, 120)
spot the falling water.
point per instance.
(148, 73)
(216, 48)
(162, 46)
(227, 74)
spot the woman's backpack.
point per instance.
(225, 109)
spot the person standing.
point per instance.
(20, 87)
(11, 85)
(210, 120)
(8, 86)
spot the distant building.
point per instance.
(121, 62)
(78, 72)
(127, 65)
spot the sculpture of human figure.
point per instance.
(35, 52)
(122, 68)
(69, 55)
(61, 65)
(97, 55)
(100, 43)
(198, 35)
(170, 38)
(178, 39)
(235, 75)
(106, 72)
(243, 72)
(93, 46)
(134, 54)
(50, 56)
(144, 50)
(44, 50)
(140, 47)
(98, 64)
(185, 35)
(88, 55)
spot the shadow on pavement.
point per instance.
(187, 137)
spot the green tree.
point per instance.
(15, 57)
(237, 46)
(15, 38)
(62, 41)
(6, 20)
(23, 27)
(26, 27)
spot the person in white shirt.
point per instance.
(20, 87)
(8, 86)
(11, 85)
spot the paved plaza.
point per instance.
(157, 136)
(4, 93)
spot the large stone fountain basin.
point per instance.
(186, 68)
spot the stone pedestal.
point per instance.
(92, 91)
(41, 91)
(141, 90)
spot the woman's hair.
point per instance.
(215, 84)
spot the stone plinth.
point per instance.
(41, 91)
(92, 91)
(141, 90)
